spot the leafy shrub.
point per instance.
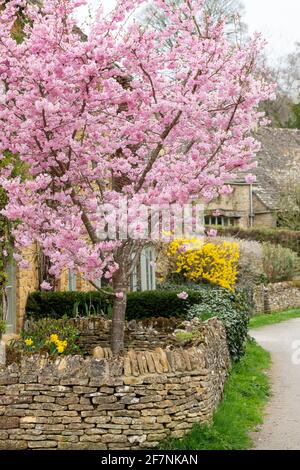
(280, 264)
(233, 310)
(286, 238)
(55, 337)
(199, 260)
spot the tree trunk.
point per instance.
(44, 265)
(118, 316)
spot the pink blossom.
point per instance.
(183, 295)
(119, 295)
(250, 179)
(114, 116)
(24, 264)
(45, 286)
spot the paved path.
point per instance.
(281, 428)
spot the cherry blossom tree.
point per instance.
(114, 114)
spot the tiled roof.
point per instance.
(278, 162)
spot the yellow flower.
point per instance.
(60, 346)
(196, 260)
(28, 342)
(54, 339)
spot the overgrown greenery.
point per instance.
(6, 240)
(286, 238)
(279, 263)
(289, 204)
(185, 337)
(294, 121)
(51, 336)
(241, 410)
(233, 311)
(271, 318)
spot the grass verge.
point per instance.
(271, 318)
(246, 392)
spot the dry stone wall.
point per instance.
(277, 297)
(129, 402)
(147, 334)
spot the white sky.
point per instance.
(278, 20)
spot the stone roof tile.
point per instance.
(278, 162)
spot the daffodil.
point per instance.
(61, 346)
(28, 342)
(54, 338)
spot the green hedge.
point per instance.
(159, 303)
(71, 304)
(139, 304)
(286, 238)
(156, 303)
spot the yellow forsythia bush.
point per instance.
(197, 260)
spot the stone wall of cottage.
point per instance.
(26, 282)
(277, 297)
(264, 216)
(130, 402)
(237, 205)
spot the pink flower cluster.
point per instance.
(183, 295)
(118, 113)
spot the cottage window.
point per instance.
(220, 220)
(143, 276)
(72, 280)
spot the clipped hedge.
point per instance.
(157, 303)
(286, 238)
(70, 304)
(139, 304)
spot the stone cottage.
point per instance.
(278, 162)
